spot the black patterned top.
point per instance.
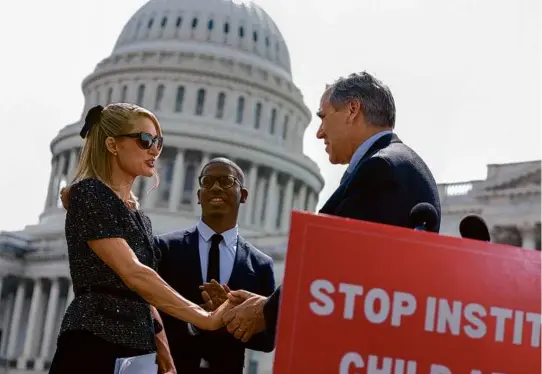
(96, 212)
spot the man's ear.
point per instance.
(197, 194)
(244, 195)
(354, 110)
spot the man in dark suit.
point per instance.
(214, 250)
(384, 180)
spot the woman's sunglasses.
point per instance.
(145, 140)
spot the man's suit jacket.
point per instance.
(180, 268)
(388, 181)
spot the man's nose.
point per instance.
(320, 133)
(216, 186)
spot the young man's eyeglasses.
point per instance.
(224, 181)
(145, 140)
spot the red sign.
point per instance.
(359, 297)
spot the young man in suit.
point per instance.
(214, 250)
(384, 180)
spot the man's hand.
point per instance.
(214, 294)
(207, 302)
(246, 319)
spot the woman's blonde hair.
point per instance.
(100, 123)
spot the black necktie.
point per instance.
(213, 266)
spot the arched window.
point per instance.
(164, 22)
(109, 95)
(149, 25)
(210, 24)
(255, 36)
(194, 23)
(200, 102)
(285, 127)
(241, 31)
(272, 121)
(159, 97)
(179, 22)
(140, 94)
(258, 115)
(179, 100)
(124, 94)
(240, 110)
(220, 105)
(226, 28)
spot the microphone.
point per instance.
(474, 227)
(423, 217)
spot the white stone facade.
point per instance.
(508, 200)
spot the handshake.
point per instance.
(243, 315)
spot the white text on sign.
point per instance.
(442, 316)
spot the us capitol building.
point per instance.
(217, 74)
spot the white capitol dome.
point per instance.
(217, 75)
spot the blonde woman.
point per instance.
(111, 253)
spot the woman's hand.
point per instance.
(215, 318)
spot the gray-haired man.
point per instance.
(384, 180)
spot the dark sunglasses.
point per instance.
(225, 181)
(145, 140)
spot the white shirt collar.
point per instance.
(229, 236)
(364, 148)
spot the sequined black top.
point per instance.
(96, 212)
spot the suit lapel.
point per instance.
(335, 199)
(239, 264)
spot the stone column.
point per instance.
(149, 201)
(287, 203)
(528, 236)
(260, 198)
(311, 202)
(272, 202)
(16, 319)
(1, 287)
(5, 325)
(302, 197)
(248, 111)
(190, 98)
(195, 205)
(177, 182)
(72, 164)
(52, 306)
(54, 166)
(211, 104)
(31, 326)
(251, 202)
(56, 185)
